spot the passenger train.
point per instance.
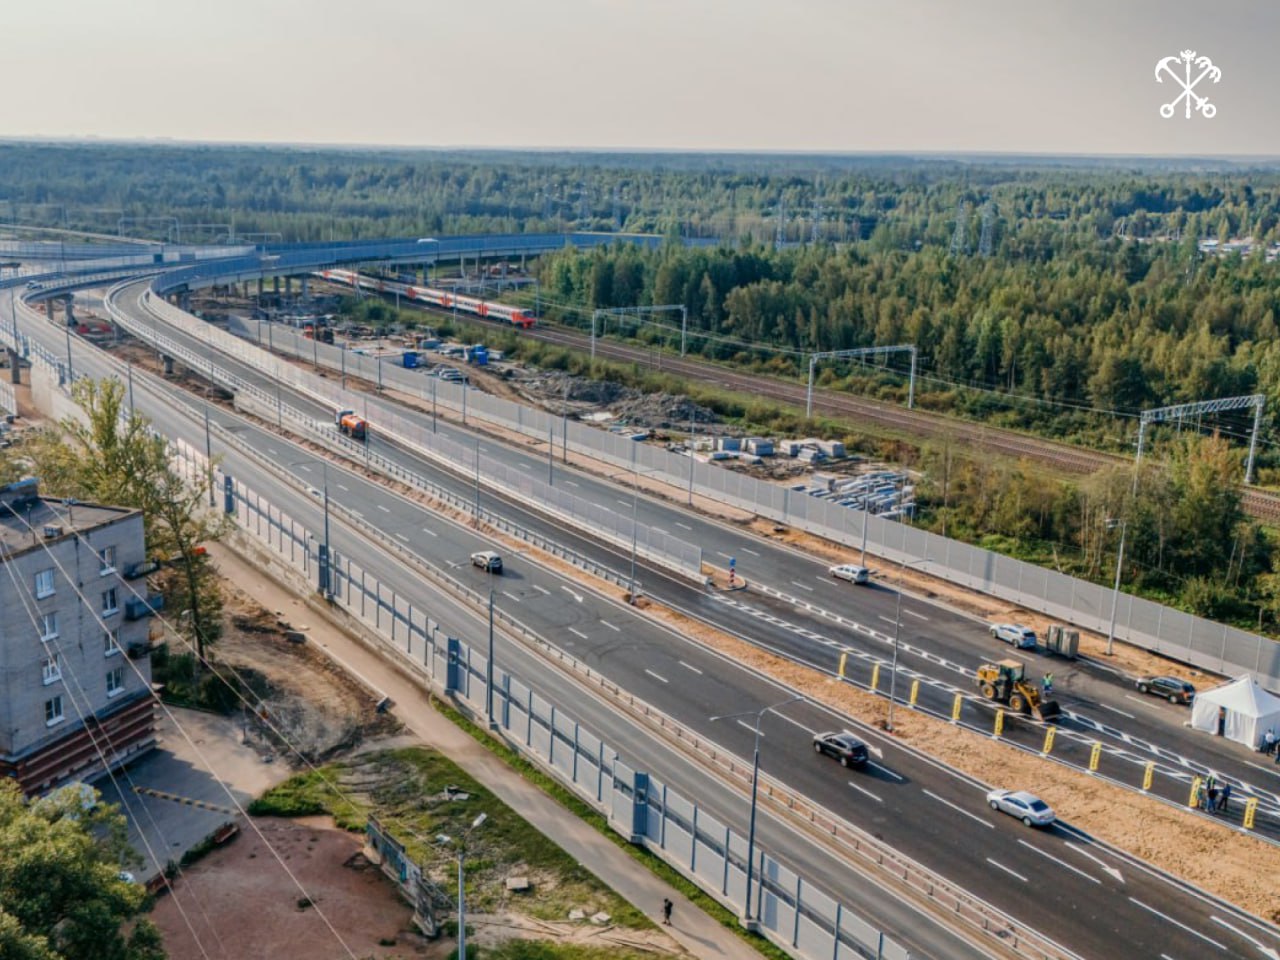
(516, 316)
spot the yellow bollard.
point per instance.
(999, 723)
(1148, 775)
(1250, 809)
(915, 691)
(955, 708)
(875, 677)
(1048, 740)
(1094, 754)
(844, 658)
(1195, 791)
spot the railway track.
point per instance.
(1077, 461)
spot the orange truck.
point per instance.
(353, 426)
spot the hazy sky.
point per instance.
(1062, 76)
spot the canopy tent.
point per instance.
(1239, 710)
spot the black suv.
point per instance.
(845, 747)
(1171, 688)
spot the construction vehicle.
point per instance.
(1005, 682)
(353, 426)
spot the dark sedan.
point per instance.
(1171, 688)
(845, 747)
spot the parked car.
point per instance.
(851, 572)
(1024, 638)
(1171, 688)
(1027, 807)
(487, 560)
(845, 747)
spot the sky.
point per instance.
(1009, 76)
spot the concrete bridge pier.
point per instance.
(15, 365)
(305, 287)
(275, 285)
(68, 311)
(168, 365)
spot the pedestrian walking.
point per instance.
(1269, 742)
(666, 911)
(1224, 797)
(1047, 684)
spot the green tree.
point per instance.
(61, 896)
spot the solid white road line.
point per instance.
(383, 509)
(802, 586)
(918, 616)
(867, 792)
(430, 533)
(889, 773)
(685, 525)
(578, 633)
(1164, 916)
(1061, 863)
(1001, 866)
(1274, 770)
(1262, 947)
(1107, 706)
(657, 676)
(611, 626)
(510, 596)
(542, 590)
(689, 666)
(971, 816)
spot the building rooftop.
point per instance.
(27, 519)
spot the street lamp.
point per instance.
(747, 920)
(324, 580)
(897, 630)
(462, 907)
(1115, 592)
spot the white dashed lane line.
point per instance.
(1106, 706)
(343, 486)
(802, 586)
(542, 590)
(383, 509)
(579, 633)
(1191, 930)
(510, 596)
(750, 551)
(1061, 863)
(657, 676)
(865, 792)
(429, 533)
(689, 666)
(918, 616)
(402, 537)
(570, 483)
(972, 816)
(684, 525)
(1000, 866)
(611, 626)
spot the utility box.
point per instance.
(759, 446)
(409, 359)
(478, 354)
(1063, 641)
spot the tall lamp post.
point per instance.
(747, 920)
(462, 906)
(897, 632)
(1115, 591)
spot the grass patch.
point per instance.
(548, 950)
(418, 794)
(580, 809)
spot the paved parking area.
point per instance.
(177, 795)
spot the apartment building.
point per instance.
(75, 672)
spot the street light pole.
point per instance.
(462, 908)
(747, 921)
(635, 501)
(1115, 591)
(488, 665)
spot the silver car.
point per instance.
(1024, 638)
(1027, 807)
(850, 572)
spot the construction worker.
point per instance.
(1047, 684)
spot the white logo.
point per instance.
(1206, 68)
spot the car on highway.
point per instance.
(487, 560)
(1171, 688)
(1027, 807)
(851, 572)
(845, 747)
(1024, 638)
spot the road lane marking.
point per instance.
(1106, 706)
(1130, 696)
(867, 792)
(1176, 923)
(625, 503)
(510, 596)
(1262, 947)
(273, 451)
(957, 809)
(576, 596)
(658, 530)
(802, 586)
(997, 864)
(303, 466)
(383, 509)
(918, 616)
(685, 525)
(689, 666)
(750, 551)
(1061, 863)
(569, 483)
(542, 590)
(1112, 871)
(611, 626)
(343, 486)
(578, 633)
(524, 466)
(720, 553)
(1272, 770)
(743, 723)
(430, 533)
(657, 676)
(402, 537)
(887, 619)
(887, 772)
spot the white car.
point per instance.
(851, 572)
(1024, 638)
(1027, 807)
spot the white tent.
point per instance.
(1240, 710)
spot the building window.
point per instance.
(106, 561)
(44, 583)
(111, 643)
(52, 670)
(53, 711)
(115, 681)
(109, 604)
(48, 626)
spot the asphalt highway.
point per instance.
(917, 807)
